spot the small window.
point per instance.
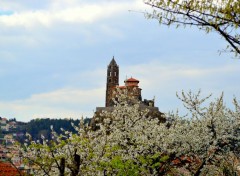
(115, 73)
(110, 74)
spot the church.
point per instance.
(112, 84)
(133, 89)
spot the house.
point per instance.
(3, 123)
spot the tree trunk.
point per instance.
(62, 167)
(76, 165)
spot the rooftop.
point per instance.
(131, 80)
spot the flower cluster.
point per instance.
(129, 142)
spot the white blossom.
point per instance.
(128, 142)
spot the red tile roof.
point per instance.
(132, 80)
(7, 169)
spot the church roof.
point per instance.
(131, 80)
(113, 62)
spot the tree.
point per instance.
(128, 142)
(222, 16)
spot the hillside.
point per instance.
(36, 127)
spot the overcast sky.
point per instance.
(54, 55)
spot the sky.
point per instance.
(54, 55)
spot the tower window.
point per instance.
(110, 74)
(115, 73)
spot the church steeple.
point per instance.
(113, 62)
(112, 81)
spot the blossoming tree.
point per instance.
(221, 16)
(128, 142)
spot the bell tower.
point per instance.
(112, 81)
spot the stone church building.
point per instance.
(131, 84)
(133, 89)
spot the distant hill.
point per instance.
(38, 127)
